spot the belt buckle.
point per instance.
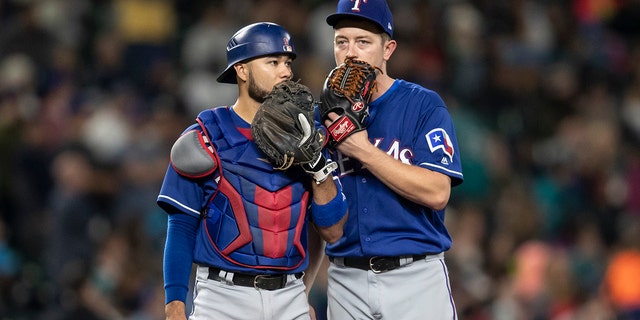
(371, 266)
(269, 285)
(257, 278)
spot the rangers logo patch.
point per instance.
(439, 139)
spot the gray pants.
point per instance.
(419, 290)
(215, 299)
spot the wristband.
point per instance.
(321, 169)
(328, 214)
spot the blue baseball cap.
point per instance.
(376, 11)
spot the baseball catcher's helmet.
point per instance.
(253, 41)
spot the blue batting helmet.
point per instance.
(253, 41)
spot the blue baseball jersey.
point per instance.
(413, 125)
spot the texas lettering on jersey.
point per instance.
(437, 139)
(346, 166)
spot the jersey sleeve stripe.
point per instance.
(178, 204)
(456, 173)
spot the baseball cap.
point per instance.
(376, 11)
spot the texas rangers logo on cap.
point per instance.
(376, 11)
(356, 5)
(439, 139)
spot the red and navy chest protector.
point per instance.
(253, 216)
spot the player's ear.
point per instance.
(388, 48)
(241, 71)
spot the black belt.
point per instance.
(260, 281)
(377, 264)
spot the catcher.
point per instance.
(244, 184)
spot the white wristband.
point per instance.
(322, 174)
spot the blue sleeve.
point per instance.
(181, 194)
(178, 255)
(437, 145)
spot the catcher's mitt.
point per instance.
(347, 91)
(283, 128)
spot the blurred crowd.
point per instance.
(545, 96)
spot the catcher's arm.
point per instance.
(329, 209)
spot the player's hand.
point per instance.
(354, 143)
(175, 310)
(312, 312)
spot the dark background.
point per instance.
(545, 97)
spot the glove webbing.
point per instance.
(348, 85)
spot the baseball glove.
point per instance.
(347, 91)
(283, 128)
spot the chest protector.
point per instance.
(256, 216)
